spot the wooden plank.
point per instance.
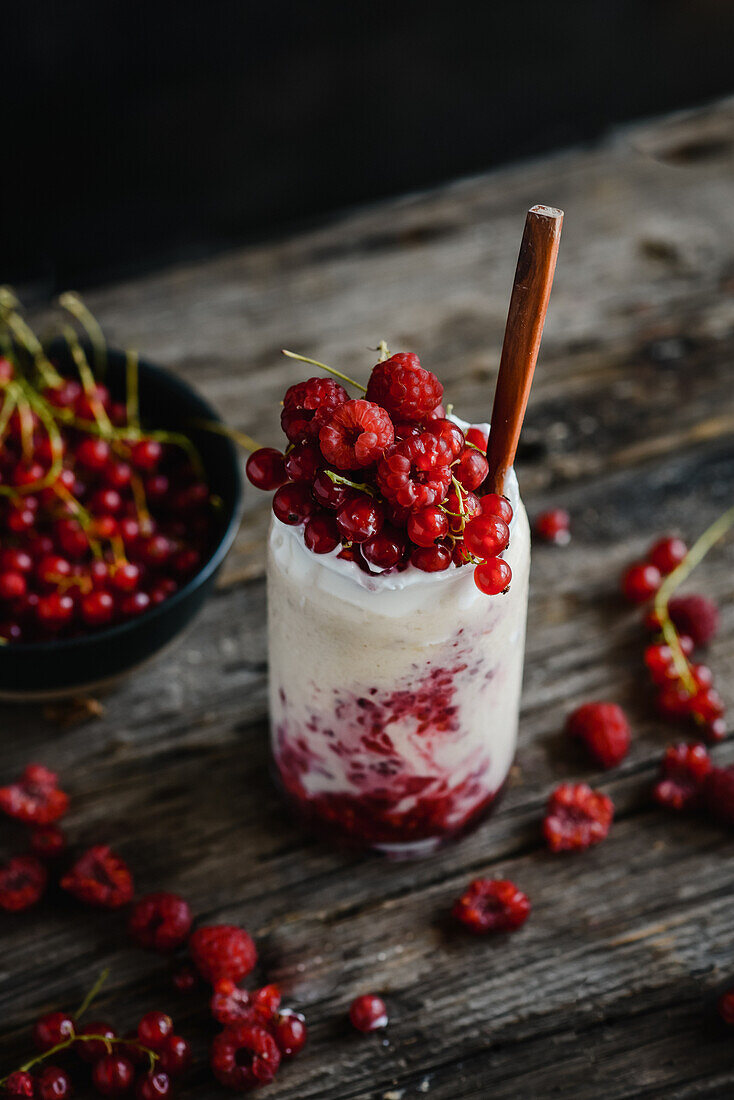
(609, 987)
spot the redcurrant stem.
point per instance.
(245, 441)
(362, 487)
(323, 366)
(73, 304)
(141, 504)
(88, 383)
(93, 993)
(383, 350)
(132, 403)
(27, 338)
(9, 403)
(695, 555)
(108, 1041)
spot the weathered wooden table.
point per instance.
(609, 988)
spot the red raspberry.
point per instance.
(35, 798)
(22, 882)
(290, 1033)
(244, 1056)
(160, 922)
(683, 771)
(416, 472)
(640, 582)
(725, 1006)
(356, 434)
(553, 526)
(718, 794)
(232, 1005)
(306, 406)
(222, 951)
(101, 878)
(493, 576)
(403, 387)
(667, 553)
(696, 616)
(577, 817)
(604, 729)
(368, 1012)
(471, 469)
(451, 434)
(20, 1083)
(492, 905)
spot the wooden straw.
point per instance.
(523, 331)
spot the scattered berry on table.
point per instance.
(160, 921)
(154, 1029)
(403, 387)
(368, 1013)
(154, 1085)
(35, 798)
(113, 1075)
(99, 877)
(174, 1056)
(718, 794)
(222, 951)
(290, 1033)
(577, 817)
(244, 1056)
(553, 526)
(492, 905)
(52, 1029)
(92, 1050)
(22, 883)
(20, 1083)
(695, 615)
(725, 1006)
(683, 771)
(604, 730)
(640, 582)
(53, 1083)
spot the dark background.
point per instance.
(136, 133)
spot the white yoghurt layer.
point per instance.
(394, 698)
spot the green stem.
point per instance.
(132, 400)
(92, 994)
(88, 383)
(383, 350)
(27, 338)
(246, 441)
(73, 304)
(695, 555)
(362, 487)
(323, 366)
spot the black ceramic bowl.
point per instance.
(68, 666)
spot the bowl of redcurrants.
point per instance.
(119, 500)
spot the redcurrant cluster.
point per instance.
(99, 520)
(386, 480)
(685, 689)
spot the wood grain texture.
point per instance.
(609, 988)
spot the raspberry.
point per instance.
(35, 798)
(471, 469)
(222, 951)
(306, 406)
(266, 468)
(696, 616)
(22, 882)
(683, 771)
(725, 1006)
(20, 1083)
(416, 472)
(577, 817)
(368, 1012)
(553, 526)
(493, 576)
(244, 1056)
(667, 553)
(403, 387)
(718, 794)
(640, 582)
(356, 434)
(486, 536)
(232, 1005)
(604, 729)
(160, 922)
(101, 878)
(492, 905)
(290, 1033)
(451, 434)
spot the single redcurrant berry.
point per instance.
(146, 454)
(493, 576)
(266, 469)
(303, 462)
(12, 585)
(667, 553)
(486, 536)
(93, 453)
(97, 608)
(113, 1075)
(328, 493)
(471, 469)
(290, 1033)
(479, 438)
(554, 526)
(91, 1050)
(493, 504)
(385, 549)
(174, 1056)
(359, 518)
(53, 1083)
(293, 503)
(427, 524)
(20, 1083)
(368, 1013)
(640, 582)
(321, 533)
(431, 559)
(154, 1085)
(154, 1029)
(52, 1029)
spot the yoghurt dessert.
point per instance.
(397, 600)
